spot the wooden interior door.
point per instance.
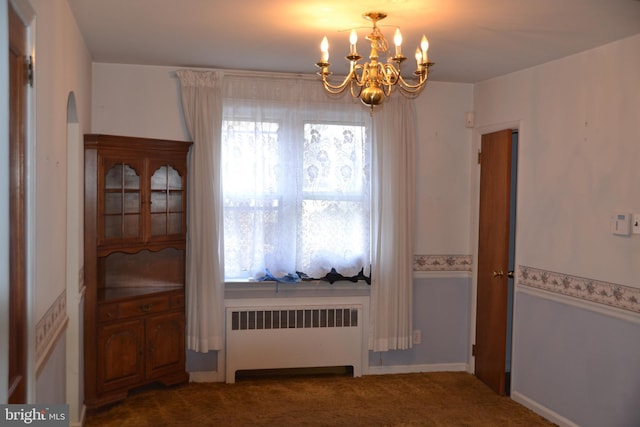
(493, 259)
(17, 207)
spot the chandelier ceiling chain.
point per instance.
(373, 81)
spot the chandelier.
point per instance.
(373, 81)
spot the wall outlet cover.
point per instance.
(635, 223)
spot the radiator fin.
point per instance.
(329, 317)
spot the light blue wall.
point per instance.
(441, 310)
(51, 381)
(205, 362)
(579, 363)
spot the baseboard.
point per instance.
(217, 376)
(542, 410)
(206, 377)
(412, 369)
(80, 422)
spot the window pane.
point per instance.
(112, 203)
(333, 234)
(158, 201)
(113, 177)
(130, 178)
(159, 179)
(250, 231)
(250, 157)
(333, 159)
(175, 180)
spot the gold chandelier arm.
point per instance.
(353, 87)
(351, 79)
(407, 87)
(389, 82)
(390, 74)
(336, 89)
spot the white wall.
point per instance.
(443, 187)
(62, 66)
(579, 157)
(137, 100)
(579, 151)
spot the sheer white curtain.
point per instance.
(257, 111)
(202, 108)
(392, 225)
(296, 179)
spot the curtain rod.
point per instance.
(268, 74)
(254, 74)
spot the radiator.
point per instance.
(276, 333)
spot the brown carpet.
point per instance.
(427, 399)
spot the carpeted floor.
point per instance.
(427, 399)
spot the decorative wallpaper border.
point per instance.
(611, 294)
(442, 262)
(49, 325)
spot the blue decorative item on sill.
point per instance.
(288, 278)
(331, 277)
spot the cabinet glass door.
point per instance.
(167, 202)
(121, 202)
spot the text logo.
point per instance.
(34, 415)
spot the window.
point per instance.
(296, 195)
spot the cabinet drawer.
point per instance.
(143, 306)
(177, 301)
(137, 307)
(107, 312)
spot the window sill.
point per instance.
(253, 289)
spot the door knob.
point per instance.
(510, 274)
(498, 273)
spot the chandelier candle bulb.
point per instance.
(418, 59)
(353, 39)
(397, 39)
(424, 45)
(324, 50)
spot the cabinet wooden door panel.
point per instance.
(120, 355)
(165, 344)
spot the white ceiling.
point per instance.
(470, 40)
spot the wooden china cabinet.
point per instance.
(134, 255)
